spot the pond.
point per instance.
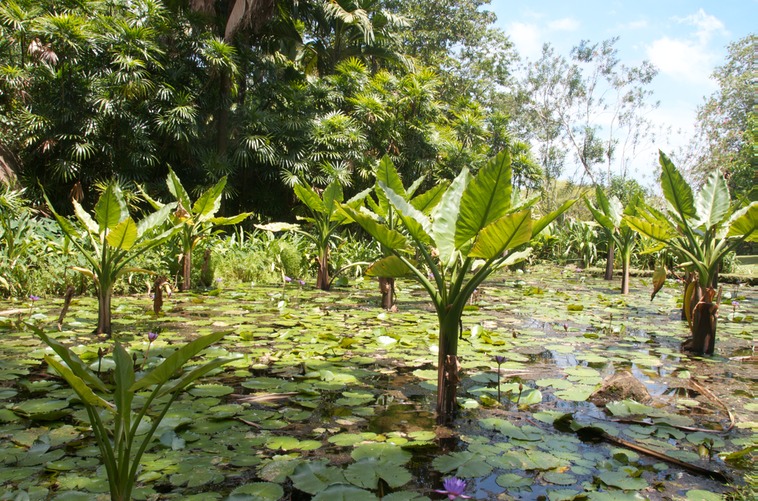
(333, 398)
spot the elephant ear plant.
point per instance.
(472, 232)
(609, 214)
(109, 241)
(118, 434)
(387, 174)
(701, 229)
(195, 219)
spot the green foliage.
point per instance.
(578, 241)
(110, 240)
(128, 400)
(472, 230)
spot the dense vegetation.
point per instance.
(277, 141)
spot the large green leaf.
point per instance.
(332, 195)
(486, 198)
(225, 221)
(427, 201)
(78, 385)
(176, 361)
(72, 361)
(124, 235)
(445, 216)
(390, 267)
(110, 208)
(676, 190)
(713, 203)
(744, 222)
(310, 198)
(193, 375)
(176, 189)
(387, 173)
(416, 222)
(209, 202)
(124, 379)
(657, 230)
(506, 233)
(600, 216)
(83, 216)
(155, 219)
(389, 238)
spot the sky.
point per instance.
(685, 39)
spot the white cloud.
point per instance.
(526, 37)
(635, 25)
(565, 24)
(681, 59)
(706, 25)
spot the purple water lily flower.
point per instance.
(288, 279)
(499, 359)
(301, 282)
(453, 488)
(152, 336)
(33, 297)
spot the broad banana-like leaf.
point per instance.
(505, 233)
(743, 223)
(486, 198)
(176, 189)
(712, 202)
(72, 360)
(445, 215)
(277, 227)
(540, 224)
(332, 195)
(415, 185)
(124, 379)
(110, 208)
(310, 198)
(387, 173)
(689, 292)
(339, 216)
(225, 221)
(427, 201)
(416, 222)
(84, 392)
(659, 278)
(155, 204)
(124, 235)
(174, 363)
(660, 232)
(209, 202)
(676, 190)
(89, 224)
(155, 219)
(391, 239)
(599, 216)
(389, 267)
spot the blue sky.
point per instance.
(684, 39)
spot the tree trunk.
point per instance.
(624, 274)
(448, 368)
(322, 277)
(609, 260)
(387, 288)
(186, 271)
(104, 295)
(704, 328)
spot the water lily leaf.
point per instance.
(577, 393)
(344, 492)
(382, 452)
(513, 481)
(558, 478)
(466, 464)
(314, 477)
(622, 480)
(701, 495)
(367, 471)
(42, 409)
(257, 491)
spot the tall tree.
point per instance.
(725, 134)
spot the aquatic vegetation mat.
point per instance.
(332, 397)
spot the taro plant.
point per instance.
(473, 231)
(109, 241)
(387, 173)
(113, 411)
(701, 228)
(196, 220)
(609, 214)
(325, 219)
